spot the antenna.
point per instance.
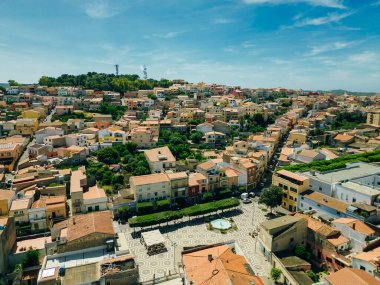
(117, 69)
(145, 72)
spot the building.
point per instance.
(215, 138)
(78, 181)
(349, 276)
(359, 234)
(179, 182)
(6, 198)
(282, 234)
(373, 118)
(9, 154)
(94, 199)
(292, 185)
(160, 159)
(83, 231)
(143, 137)
(26, 127)
(201, 264)
(7, 241)
(150, 187)
(19, 210)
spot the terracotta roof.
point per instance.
(351, 276)
(206, 165)
(327, 201)
(149, 179)
(309, 153)
(317, 226)
(343, 138)
(224, 268)
(76, 177)
(7, 194)
(339, 240)
(94, 192)
(370, 256)
(177, 175)
(292, 175)
(83, 225)
(20, 204)
(155, 154)
(359, 225)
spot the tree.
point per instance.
(32, 258)
(301, 252)
(313, 276)
(12, 82)
(271, 197)
(196, 137)
(275, 274)
(108, 155)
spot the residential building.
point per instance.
(7, 241)
(179, 182)
(143, 137)
(64, 110)
(150, 187)
(292, 185)
(19, 210)
(359, 234)
(282, 234)
(26, 127)
(349, 276)
(78, 181)
(9, 154)
(215, 138)
(94, 199)
(160, 159)
(373, 118)
(6, 198)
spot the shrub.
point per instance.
(275, 274)
(225, 193)
(207, 196)
(145, 207)
(163, 204)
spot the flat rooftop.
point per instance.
(352, 170)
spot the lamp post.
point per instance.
(174, 246)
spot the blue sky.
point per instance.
(309, 44)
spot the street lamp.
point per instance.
(174, 246)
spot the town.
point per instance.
(114, 179)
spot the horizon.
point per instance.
(294, 44)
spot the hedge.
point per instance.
(225, 193)
(336, 163)
(145, 207)
(163, 204)
(201, 209)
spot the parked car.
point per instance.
(247, 201)
(244, 196)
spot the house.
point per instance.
(307, 156)
(6, 198)
(160, 159)
(112, 134)
(343, 140)
(31, 114)
(209, 170)
(197, 185)
(37, 150)
(292, 185)
(358, 232)
(328, 247)
(349, 276)
(150, 187)
(143, 137)
(200, 265)
(205, 128)
(64, 110)
(55, 140)
(19, 210)
(26, 127)
(7, 241)
(95, 199)
(282, 234)
(222, 127)
(83, 231)
(179, 182)
(78, 181)
(367, 261)
(373, 118)
(9, 154)
(215, 138)
(76, 140)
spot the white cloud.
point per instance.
(329, 18)
(377, 3)
(99, 9)
(168, 35)
(222, 21)
(324, 3)
(364, 57)
(316, 50)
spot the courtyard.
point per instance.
(184, 233)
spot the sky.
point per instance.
(308, 44)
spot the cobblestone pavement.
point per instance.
(194, 232)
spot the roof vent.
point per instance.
(210, 257)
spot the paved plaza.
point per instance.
(193, 233)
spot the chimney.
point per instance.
(353, 226)
(210, 257)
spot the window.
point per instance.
(320, 188)
(353, 200)
(301, 204)
(328, 259)
(291, 239)
(362, 267)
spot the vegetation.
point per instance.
(196, 137)
(108, 155)
(313, 276)
(348, 120)
(177, 144)
(66, 117)
(336, 163)
(32, 258)
(201, 209)
(12, 82)
(105, 82)
(255, 123)
(301, 252)
(163, 204)
(275, 274)
(145, 207)
(115, 111)
(271, 197)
